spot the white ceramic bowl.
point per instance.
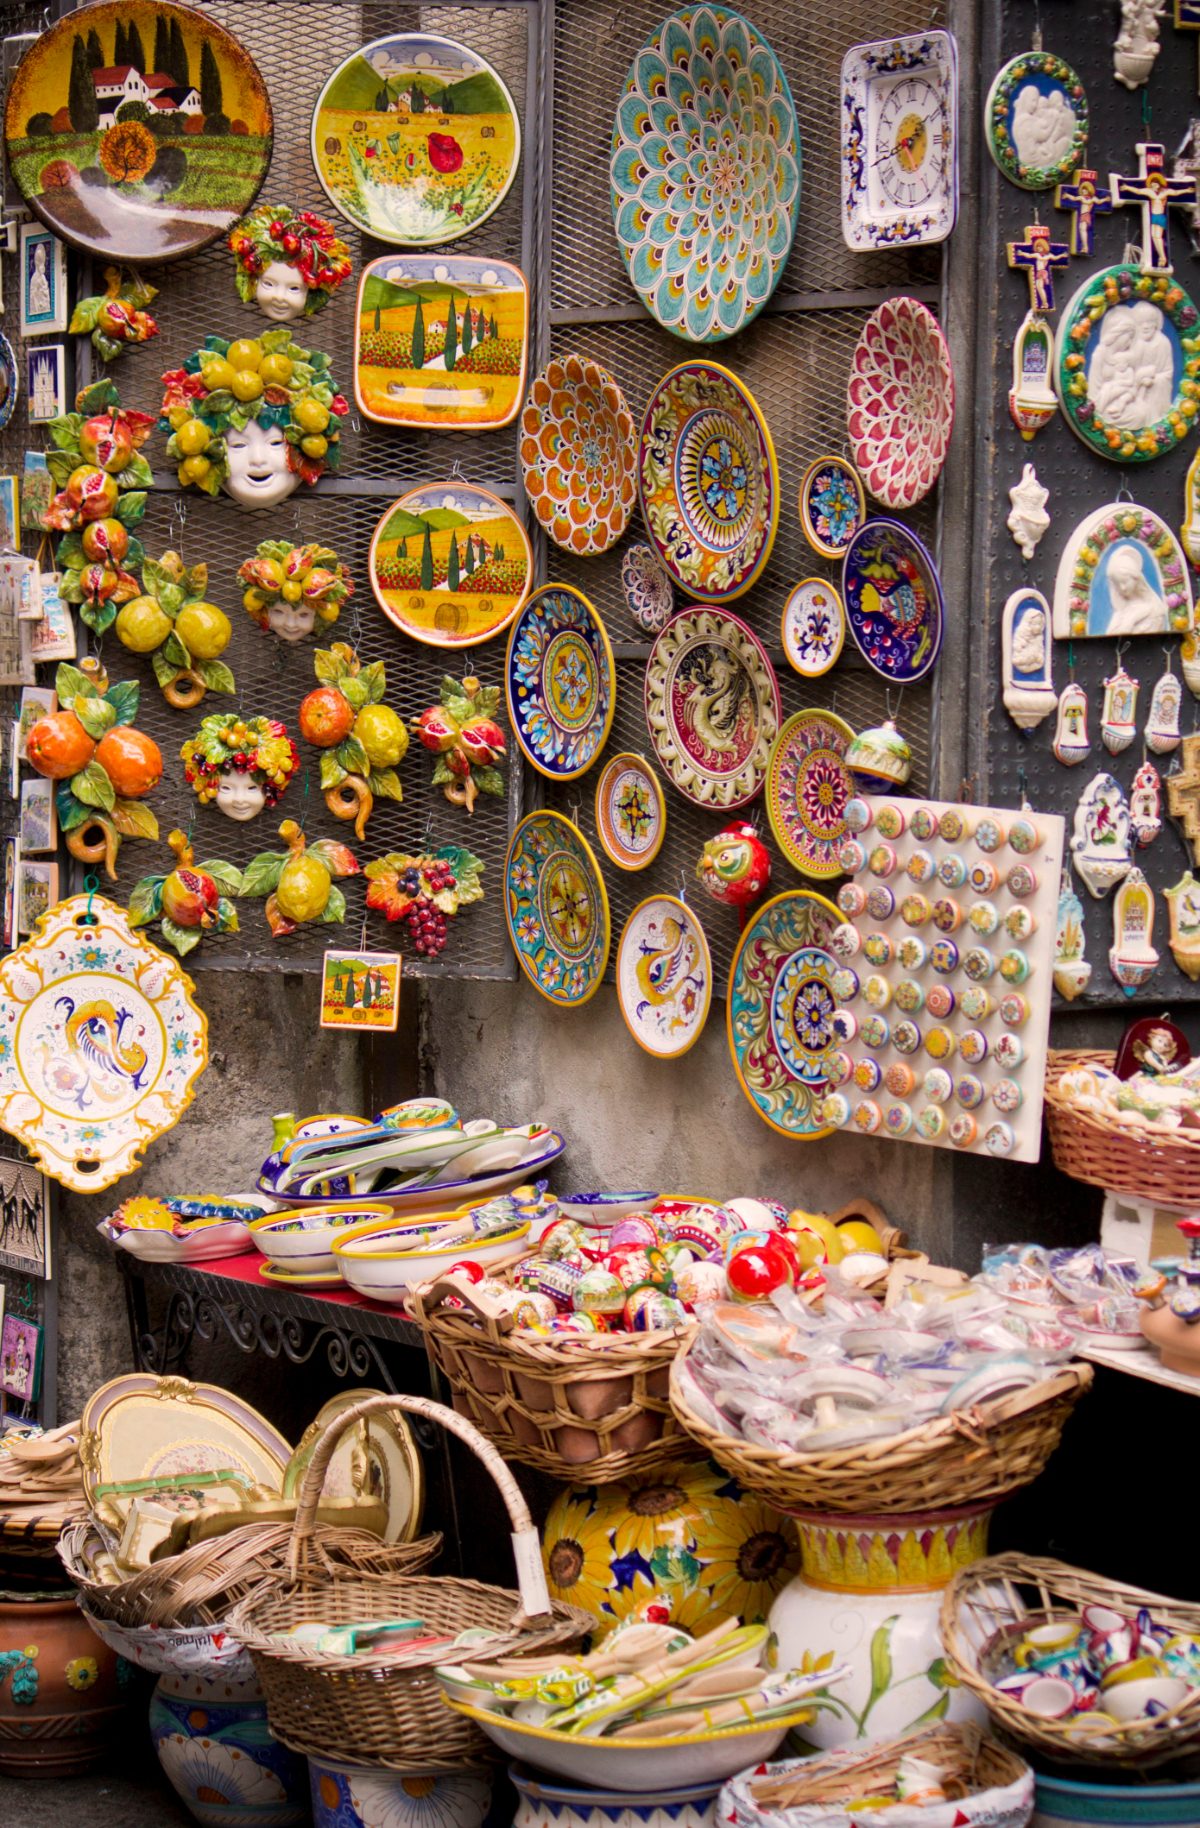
(200, 1245)
(374, 1261)
(445, 1197)
(603, 1209)
(301, 1238)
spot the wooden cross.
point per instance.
(1158, 195)
(1038, 255)
(1183, 793)
(1086, 200)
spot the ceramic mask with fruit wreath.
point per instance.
(289, 589)
(242, 764)
(289, 262)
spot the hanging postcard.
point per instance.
(361, 990)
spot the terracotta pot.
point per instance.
(1177, 1342)
(61, 1696)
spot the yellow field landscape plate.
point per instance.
(450, 564)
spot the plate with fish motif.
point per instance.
(814, 627)
(780, 1012)
(556, 907)
(664, 976)
(712, 707)
(893, 599)
(560, 681)
(832, 505)
(808, 789)
(578, 451)
(708, 481)
(631, 819)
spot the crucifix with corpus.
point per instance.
(1086, 200)
(1157, 194)
(1038, 256)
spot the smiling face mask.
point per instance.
(281, 293)
(259, 476)
(240, 795)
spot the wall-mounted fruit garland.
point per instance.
(425, 891)
(101, 479)
(362, 738)
(105, 766)
(189, 901)
(299, 882)
(116, 319)
(469, 744)
(184, 634)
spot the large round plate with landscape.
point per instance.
(708, 481)
(705, 173)
(893, 599)
(450, 564)
(808, 789)
(712, 707)
(664, 976)
(160, 185)
(556, 907)
(560, 681)
(779, 1016)
(415, 139)
(631, 819)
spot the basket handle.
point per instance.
(527, 1549)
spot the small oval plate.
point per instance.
(813, 627)
(631, 816)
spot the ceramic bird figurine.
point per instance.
(735, 867)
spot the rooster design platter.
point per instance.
(893, 599)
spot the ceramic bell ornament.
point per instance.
(1100, 836)
(1072, 972)
(240, 764)
(1029, 694)
(1027, 518)
(880, 758)
(1071, 741)
(289, 262)
(1145, 805)
(1118, 720)
(290, 589)
(1162, 723)
(735, 867)
(1183, 910)
(1132, 958)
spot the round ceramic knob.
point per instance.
(1024, 837)
(878, 949)
(953, 826)
(983, 917)
(940, 1043)
(844, 1023)
(943, 956)
(1009, 1051)
(875, 1031)
(969, 1091)
(1022, 881)
(845, 941)
(931, 1123)
(952, 871)
(877, 991)
(1007, 1096)
(923, 823)
(906, 1036)
(998, 1139)
(982, 876)
(940, 1001)
(881, 903)
(1014, 966)
(857, 815)
(912, 954)
(1014, 1010)
(835, 1109)
(989, 835)
(882, 860)
(947, 915)
(1020, 923)
(844, 983)
(900, 1079)
(963, 1130)
(920, 866)
(852, 898)
(977, 1003)
(898, 1119)
(867, 1116)
(979, 964)
(890, 821)
(909, 996)
(915, 910)
(973, 1046)
(937, 1085)
(839, 1066)
(851, 856)
(868, 1075)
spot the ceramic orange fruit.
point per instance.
(58, 746)
(326, 716)
(131, 760)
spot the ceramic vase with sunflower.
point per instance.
(360, 1796)
(218, 1754)
(61, 1698)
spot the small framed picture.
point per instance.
(361, 990)
(39, 819)
(10, 514)
(43, 282)
(53, 637)
(36, 702)
(20, 1358)
(8, 905)
(37, 490)
(46, 382)
(37, 892)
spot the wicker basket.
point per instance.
(1159, 1166)
(983, 1604)
(970, 1762)
(345, 1707)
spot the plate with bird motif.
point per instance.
(556, 907)
(560, 680)
(808, 789)
(631, 819)
(813, 627)
(893, 599)
(780, 1011)
(664, 976)
(712, 707)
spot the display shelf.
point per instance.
(1143, 1362)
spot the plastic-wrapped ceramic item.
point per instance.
(1036, 120)
(1183, 794)
(138, 1426)
(894, 602)
(361, 739)
(735, 867)
(631, 816)
(1132, 957)
(184, 634)
(813, 628)
(243, 764)
(291, 589)
(809, 786)
(832, 505)
(900, 402)
(10, 382)
(556, 908)
(450, 564)
(899, 112)
(560, 681)
(1027, 518)
(1183, 908)
(116, 319)
(1100, 836)
(1029, 694)
(712, 707)
(104, 766)
(578, 451)
(1071, 741)
(1129, 415)
(188, 901)
(1118, 719)
(1072, 972)
(289, 262)
(648, 589)
(298, 883)
(364, 1796)
(781, 1009)
(1145, 805)
(462, 732)
(880, 758)
(569, 1806)
(426, 891)
(664, 977)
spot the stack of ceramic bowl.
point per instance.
(382, 1260)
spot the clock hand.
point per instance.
(902, 145)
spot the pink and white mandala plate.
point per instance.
(900, 402)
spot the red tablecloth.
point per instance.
(245, 1268)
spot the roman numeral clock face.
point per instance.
(909, 144)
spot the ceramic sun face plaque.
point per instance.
(443, 342)
(664, 976)
(631, 818)
(832, 505)
(164, 183)
(561, 681)
(557, 909)
(415, 139)
(780, 1012)
(808, 789)
(1126, 363)
(893, 599)
(450, 564)
(708, 481)
(900, 141)
(100, 1044)
(578, 450)
(1035, 120)
(712, 707)
(813, 628)
(900, 402)
(705, 173)
(1122, 572)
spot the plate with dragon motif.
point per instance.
(813, 627)
(664, 976)
(708, 481)
(808, 789)
(832, 505)
(712, 707)
(560, 681)
(556, 907)
(780, 1012)
(893, 599)
(631, 819)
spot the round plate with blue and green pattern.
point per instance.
(561, 681)
(780, 1010)
(556, 907)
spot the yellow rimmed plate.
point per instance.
(560, 680)
(780, 1010)
(631, 814)
(813, 627)
(664, 976)
(556, 907)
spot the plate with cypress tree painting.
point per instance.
(138, 129)
(450, 564)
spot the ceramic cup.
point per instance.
(1049, 1697)
(1050, 1640)
(1150, 1695)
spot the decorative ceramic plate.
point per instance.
(779, 1016)
(899, 141)
(893, 599)
(422, 1196)
(578, 449)
(900, 402)
(1035, 121)
(415, 139)
(10, 385)
(395, 1475)
(707, 481)
(300, 1280)
(557, 908)
(705, 173)
(832, 505)
(712, 707)
(145, 1427)
(442, 342)
(814, 627)
(808, 789)
(631, 819)
(100, 1044)
(200, 1246)
(1128, 414)
(450, 564)
(560, 681)
(149, 189)
(649, 592)
(664, 976)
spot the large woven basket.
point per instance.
(971, 1764)
(1159, 1166)
(984, 1603)
(984, 1452)
(373, 1711)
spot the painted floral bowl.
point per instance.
(302, 1238)
(602, 1209)
(578, 449)
(380, 1261)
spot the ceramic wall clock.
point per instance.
(808, 789)
(664, 976)
(578, 450)
(1126, 363)
(1029, 694)
(712, 707)
(415, 139)
(450, 564)
(813, 627)
(832, 505)
(560, 680)
(649, 592)
(10, 384)
(780, 1011)
(631, 818)
(708, 481)
(100, 1044)
(900, 402)
(442, 342)
(1122, 572)
(705, 173)
(1035, 120)
(893, 599)
(556, 906)
(900, 141)
(171, 179)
